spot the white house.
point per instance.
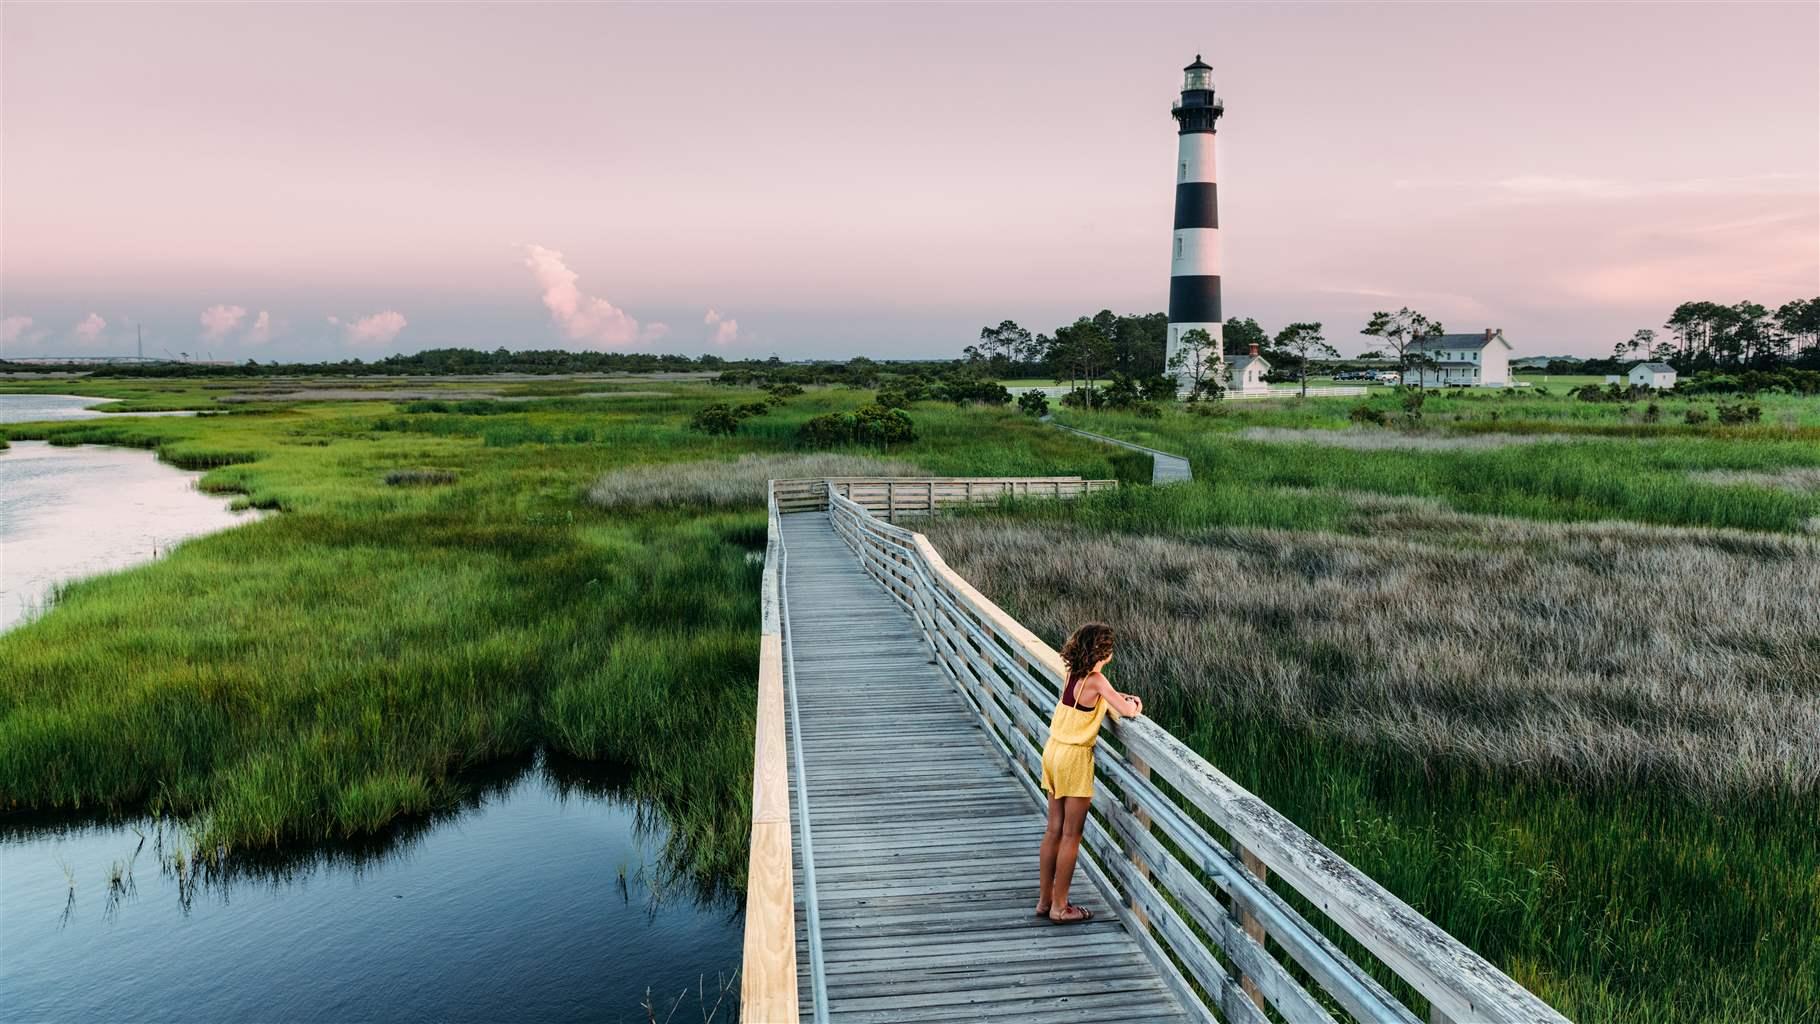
(1245, 374)
(1475, 360)
(1660, 376)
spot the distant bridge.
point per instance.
(896, 817)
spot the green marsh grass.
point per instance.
(342, 667)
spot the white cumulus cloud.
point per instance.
(14, 327)
(584, 318)
(89, 328)
(375, 329)
(726, 330)
(261, 331)
(218, 321)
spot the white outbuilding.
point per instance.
(1245, 374)
(1660, 376)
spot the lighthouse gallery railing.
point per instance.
(1201, 907)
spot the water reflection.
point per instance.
(71, 512)
(547, 895)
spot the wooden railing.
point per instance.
(893, 497)
(767, 988)
(1192, 862)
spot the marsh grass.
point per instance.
(1556, 740)
(1797, 480)
(1377, 440)
(420, 477)
(740, 483)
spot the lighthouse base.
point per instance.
(1213, 363)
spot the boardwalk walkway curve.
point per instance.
(922, 710)
(1164, 468)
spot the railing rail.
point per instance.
(896, 496)
(768, 983)
(1205, 913)
(812, 914)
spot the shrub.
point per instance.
(875, 424)
(1695, 416)
(718, 418)
(1734, 415)
(827, 430)
(752, 409)
(1363, 413)
(1652, 413)
(783, 391)
(1159, 387)
(892, 398)
(1413, 399)
(1148, 410)
(1033, 402)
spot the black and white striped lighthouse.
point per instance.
(1194, 270)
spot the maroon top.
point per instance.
(1068, 698)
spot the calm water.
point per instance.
(34, 408)
(543, 902)
(66, 513)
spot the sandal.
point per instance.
(1072, 915)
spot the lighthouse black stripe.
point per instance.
(1196, 205)
(1194, 299)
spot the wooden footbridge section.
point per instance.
(896, 818)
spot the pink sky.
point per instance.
(834, 181)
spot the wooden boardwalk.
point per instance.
(925, 846)
(1164, 467)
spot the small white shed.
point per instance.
(1660, 376)
(1245, 374)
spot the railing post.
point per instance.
(1249, 921)
(890, 502)
(1132, 854)
(931, 497)
(969, 486)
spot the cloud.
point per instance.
(13, 328)
(1544, 187)
(217, 321)
(584, 318)
(375, 329)
(726, 331)
(261, 331)
(90, 328)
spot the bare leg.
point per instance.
(1074, 818)
(1052, 838)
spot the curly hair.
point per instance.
(1087, 647)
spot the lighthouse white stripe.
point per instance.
(1194, 157)
(1196, 252)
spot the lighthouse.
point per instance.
(1194, 268)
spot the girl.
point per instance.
(1068, 763)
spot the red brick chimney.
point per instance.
(1254, 348)
(1489, 333)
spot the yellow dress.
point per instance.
(1068, 756)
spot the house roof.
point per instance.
(1440, 341)
(1240, 362)
(1653, 368)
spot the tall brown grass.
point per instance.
(1610, 651)
(699, 485)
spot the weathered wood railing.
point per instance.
(893, 497)
(767, 989)
(1201, 905)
